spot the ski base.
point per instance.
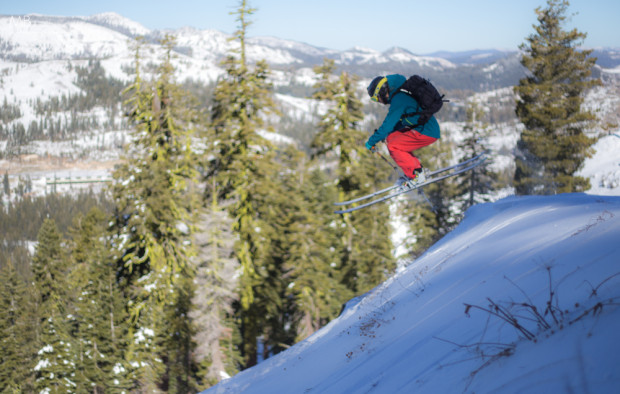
(430, 174)
(398, 190)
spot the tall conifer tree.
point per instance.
(479, 181)
(17, 333)
(365, 245)
(553, 145)
(216, 283)
(54, 360)
(154, 196)
(100, 317)
(315, 289)
(242, 169)
(6, 185)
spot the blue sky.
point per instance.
(421, 26)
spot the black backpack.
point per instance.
(423, 91)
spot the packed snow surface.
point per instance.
(416, 332)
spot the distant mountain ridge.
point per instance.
(33, 38)
(119, 23)
(476, 56)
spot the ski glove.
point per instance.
(371, 148)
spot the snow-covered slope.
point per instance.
(47, 38)
(119, 23)
(416, 334)
(603, 169)
(41, 37)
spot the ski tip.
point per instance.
(348, 210)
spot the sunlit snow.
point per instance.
(415, 332)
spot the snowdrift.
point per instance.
(523, 296)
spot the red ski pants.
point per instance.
(401, 146)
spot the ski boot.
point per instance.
(405, 181)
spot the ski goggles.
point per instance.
(375, 95)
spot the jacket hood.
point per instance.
(394, 82)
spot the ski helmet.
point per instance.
(378, 90)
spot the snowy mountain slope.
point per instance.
(293, 46)
(27, 81)
(118, 23)
(414, 332)
(603, 169)
(403, 56)
(40, 37)
(478, 56)
(203, 44)
(44, 38)
(607, 57)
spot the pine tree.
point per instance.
(274, 206)
(17, 340)
(6, 185)
(553, 146)
(178, 343)
(99, 309)
(301, 291)
(239, 171)
(478, 182)
(54, 362)
(314, 285)
(155, 201)
(365, 246)
(216, 282)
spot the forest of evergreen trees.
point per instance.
(214, 248)
(64, 117)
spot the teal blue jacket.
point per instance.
(401, 104)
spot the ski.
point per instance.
(407, 189)
(430, 174)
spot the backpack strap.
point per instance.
(419, 88)
(417, 112)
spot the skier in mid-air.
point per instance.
(400, 128)
(409, 125)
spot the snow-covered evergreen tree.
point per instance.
(54, 361)
(99, 309)
(156, 202)
(17, 333)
